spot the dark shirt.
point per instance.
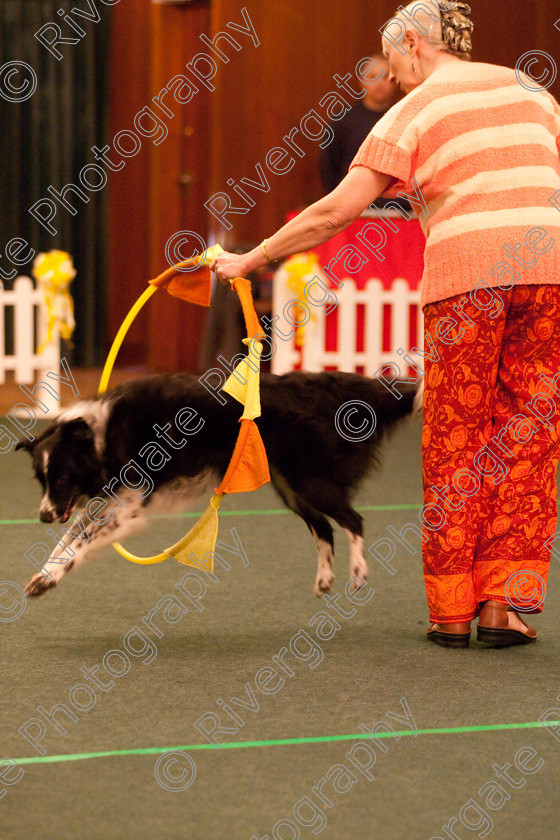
(349, 134)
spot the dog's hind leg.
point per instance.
(319, 527)
(358, 566)
(332, 501)
(323, 536)
(80, 540)
(324, 540)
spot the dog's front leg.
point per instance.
(80, 541)
(69, 552)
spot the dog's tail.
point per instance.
(409, 401)
(418, 404)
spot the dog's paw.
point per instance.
(359, 575)
(323, 584)
(38, 584)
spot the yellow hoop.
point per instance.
(105, 376)
(119, 338)
(142, 561)
(204, 533)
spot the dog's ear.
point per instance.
(24, 443)
(77, 430)
(30, 445)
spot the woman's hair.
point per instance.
(448, 25)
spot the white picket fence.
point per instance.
(29, 330)
(314, 357)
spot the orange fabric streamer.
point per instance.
(248, 468)
(193, 286)
(243, 288)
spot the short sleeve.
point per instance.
(391, 147)
(387, 158)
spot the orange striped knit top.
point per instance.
(484, 150)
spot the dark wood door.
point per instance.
(162, 189)
(179, 167)
(129, 222)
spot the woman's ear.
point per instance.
(410, 41)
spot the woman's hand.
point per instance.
(228, 266)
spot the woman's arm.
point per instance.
(314, 225)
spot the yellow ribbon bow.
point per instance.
(54, 272)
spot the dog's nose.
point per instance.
(46, 516)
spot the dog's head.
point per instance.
(67, 465)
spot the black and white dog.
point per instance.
(162, 441)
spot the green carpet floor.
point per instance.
(420, 785)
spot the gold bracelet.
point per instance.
(262, 246)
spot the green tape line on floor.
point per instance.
(282, 742)
(197, 514)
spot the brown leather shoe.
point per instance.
(500, 626)
(452, 635)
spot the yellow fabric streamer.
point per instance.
(54, 272)
(193, 548)
(247, 393)
(200, 543)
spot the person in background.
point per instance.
(350, 131)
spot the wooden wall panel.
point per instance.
(265, 92)
(507, 29)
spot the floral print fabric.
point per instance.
(490, 447)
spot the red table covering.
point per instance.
(403, 258)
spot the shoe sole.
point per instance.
(450, 640)
(502, 637)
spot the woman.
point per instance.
(484, 149)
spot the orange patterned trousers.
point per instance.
(490, 448)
